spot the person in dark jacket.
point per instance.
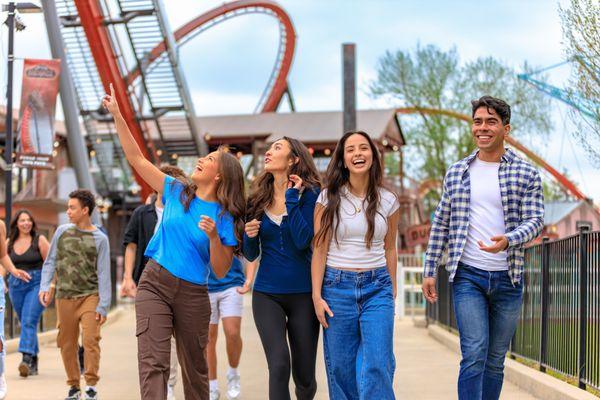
(280, 229)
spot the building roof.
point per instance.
(308, 127)
(555, 211)
(313, 127)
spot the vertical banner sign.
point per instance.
(36, 119)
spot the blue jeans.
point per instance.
(359, 343)
(487, 307)
(24, 297)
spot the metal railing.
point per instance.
(410, 301)
(559, 325)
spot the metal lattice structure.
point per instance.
(104, 42)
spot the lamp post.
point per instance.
(12, 19)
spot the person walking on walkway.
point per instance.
(6, 265)
(80, 256)
(492, 204)
(227, 304)
(27, 250)
(141, 227)
(200, 230)
(354, 272)
(280, 209)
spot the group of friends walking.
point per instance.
(318, 251)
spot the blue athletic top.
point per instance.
(285, 249)
(235, 277)
(179, 245)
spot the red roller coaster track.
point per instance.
(282, 67)
(103, 52)
(91, 18)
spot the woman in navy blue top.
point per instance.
(280, 210)
(201, 227)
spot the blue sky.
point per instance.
(228, 66)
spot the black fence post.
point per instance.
(583, 288)
(545, 284)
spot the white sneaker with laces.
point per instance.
(233, 387)
(170, 392)
(215, 394)
(3, 387)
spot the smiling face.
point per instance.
(24, 223)
(207, 169)
(277, 158)
(488, 130)
(358, 155)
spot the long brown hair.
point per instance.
(230, 191)
(337, 177)
(262, 192)
(14, 230)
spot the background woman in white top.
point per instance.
(354, 271)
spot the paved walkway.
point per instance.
(425, 369)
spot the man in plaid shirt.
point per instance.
(492, 205)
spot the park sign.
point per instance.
(36, 113)
(417, 234)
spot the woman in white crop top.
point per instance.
(354, 271)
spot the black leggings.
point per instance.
(294, 314)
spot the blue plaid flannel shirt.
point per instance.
(522, 200)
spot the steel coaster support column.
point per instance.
(77, 147)
(78, 153)
(91, 17)
(188, 104)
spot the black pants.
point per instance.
(276, 315)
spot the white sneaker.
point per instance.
(233, 387)
(215, 394)
(3, 387)
(170, 392)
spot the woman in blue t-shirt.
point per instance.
(200, 229)
(280, 210)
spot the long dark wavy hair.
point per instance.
(14, 229)
(231, 192)
(261, 190)
(337, 177)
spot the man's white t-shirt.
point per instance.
(486, 217)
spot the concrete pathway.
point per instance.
(425, 369)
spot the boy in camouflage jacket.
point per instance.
(80, 256)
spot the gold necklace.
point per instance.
(356, 208)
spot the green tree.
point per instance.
(553, 191)
(429, 77)
(581, 33)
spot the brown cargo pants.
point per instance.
(71, 313)
(166, 305)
